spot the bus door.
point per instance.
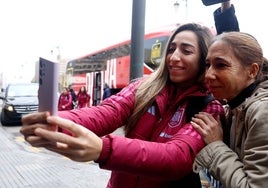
(96, 89)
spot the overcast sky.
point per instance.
(32, 28)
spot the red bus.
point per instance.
(111, 65)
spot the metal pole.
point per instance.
(137, 39)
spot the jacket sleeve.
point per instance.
(106, 117)
(226, 21)
(69, 104)
(170, 160)
(59, 103)
(225, 165)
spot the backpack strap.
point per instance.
(197, 104)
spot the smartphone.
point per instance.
(212, 2)
(48, 86)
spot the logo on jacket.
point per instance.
(177, 118)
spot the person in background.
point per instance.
(74, 97)
(106, 91)
(234, 75)
(65, 100)
(159, 144)
(83, 98)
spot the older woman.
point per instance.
(234, 74)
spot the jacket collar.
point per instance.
(242, 96)
(170, 97)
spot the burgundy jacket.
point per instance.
(65, 100)
(159, 151)
(83, 99)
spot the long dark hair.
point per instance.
(153, 85)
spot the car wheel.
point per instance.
(3, 120)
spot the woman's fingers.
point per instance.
(28, 130)
(84, 145)
(74, 128)
(60, 148)
(207, 126)
(73, 154)
(34, 118)
(81, 148)
(55, 137)
(197, 127)
(37, 141)
(31, 121)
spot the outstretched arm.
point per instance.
(225, 18)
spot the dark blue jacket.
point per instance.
(226, 21)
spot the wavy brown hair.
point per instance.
(154, 84)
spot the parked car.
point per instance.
(18, 100)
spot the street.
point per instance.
(26, 166)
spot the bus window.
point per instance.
(156, 53)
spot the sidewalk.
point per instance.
(23, 166)
(31, 169)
